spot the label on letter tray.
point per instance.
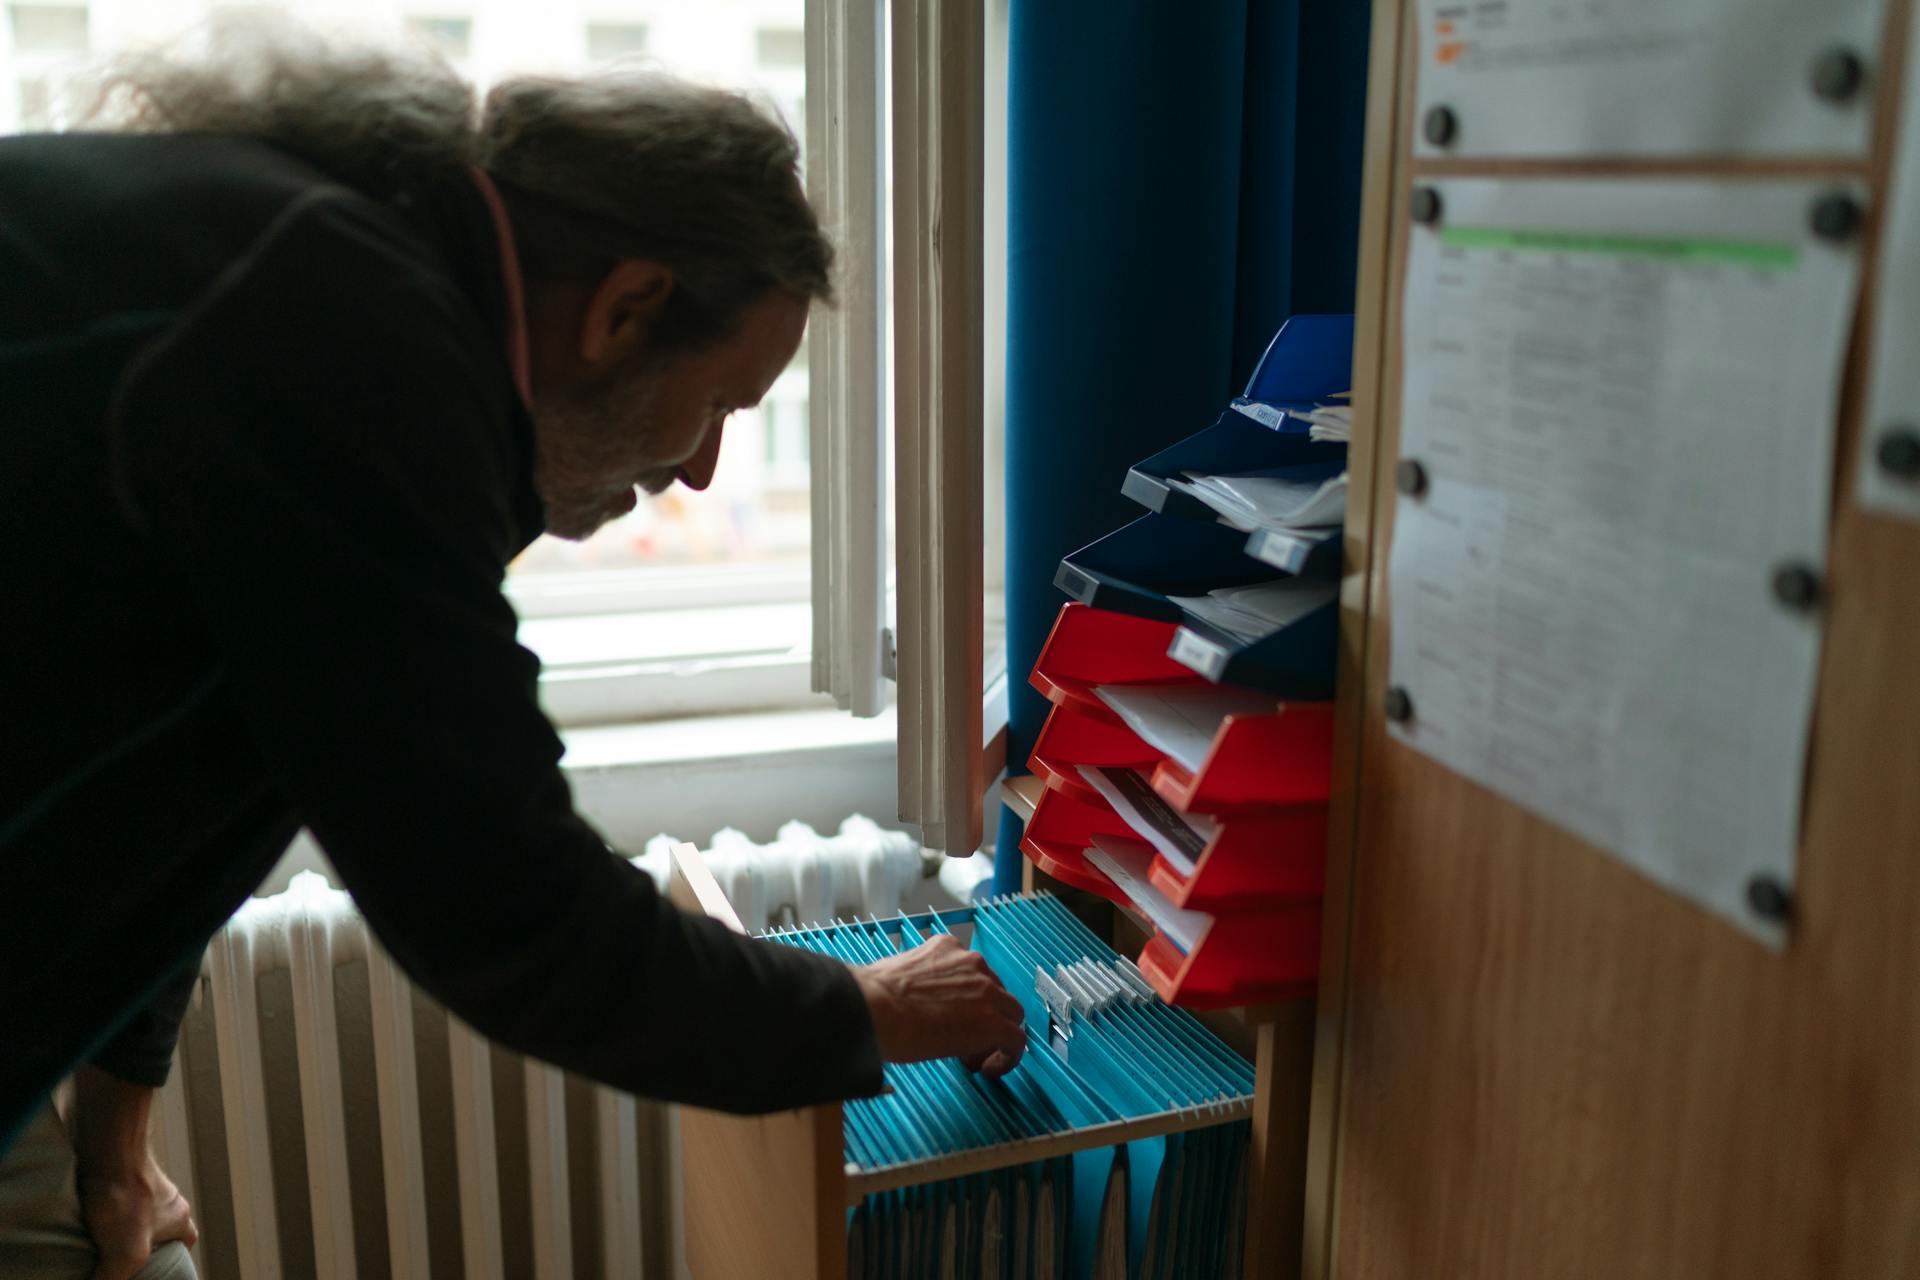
(1192, 649)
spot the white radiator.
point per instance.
(327, 1120)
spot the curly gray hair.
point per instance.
(620, 164)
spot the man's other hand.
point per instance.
(130, 1206)
(130, 1213)
(940, 1000)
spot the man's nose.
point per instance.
(697, 472)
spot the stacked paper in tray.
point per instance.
(1102, 1050)
(1179, 837)
(1182, 720)
(1307, 496)
(1329, 420)
(1251, 613)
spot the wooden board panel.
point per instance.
(1283, 1066)
(1380, 197)
(1547, 1066)
(764, 1195)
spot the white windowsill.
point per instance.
(755, 737)
(690, 778)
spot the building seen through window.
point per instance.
(757, 510)
(609, 40)
(452, 37)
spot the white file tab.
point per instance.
(1620, 395)
(1647, 77)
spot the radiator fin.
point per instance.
(236, 1022)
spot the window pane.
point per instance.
(756, 511)
(780, 48)
(609, 40)
(451, 36)
(49, 28)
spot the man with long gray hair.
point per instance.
(294, 358)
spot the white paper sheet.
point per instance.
(1182, 719)
(1643, 77)
(1126, 863)
(1273, 501)
(1251, 613)
(1893, 386)
(1623, 394)
(1180, 838)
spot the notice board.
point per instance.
(1538, 1056)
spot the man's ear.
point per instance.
(623, 311)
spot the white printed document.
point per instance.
(1288, 498)
(1251, 613)
(1180, 837)
(1181, 720)
(1893, 383)
(1128, 864)
(1644, 77)
(1622, 395)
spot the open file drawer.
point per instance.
(780, 1196)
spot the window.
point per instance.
(48, 28)
(892, 153)
(36, 103)
(700, 602)
(634, 623)
(751, 527)
(785, 438)
(451, 36)
(609, 40)
(780, 48)
(47, 41)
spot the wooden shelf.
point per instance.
(1022, 795)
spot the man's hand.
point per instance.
(940, 1000)
(131, 1213)
(130, 1206)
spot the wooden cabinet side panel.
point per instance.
(764, 1194)
(761, 1195)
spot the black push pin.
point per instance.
(1796, 586)
(1425, 206)
(1440, 126)
(1898, 452)
(1769, 899)
(1838, 73)
(1399, 705)
(1837, 216)
(1410, 477)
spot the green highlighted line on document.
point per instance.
(1745, 253)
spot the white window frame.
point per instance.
(947, 112)
(845, 115)
(627, 645)
(48, 66)
(939, 166)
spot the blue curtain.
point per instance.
(1181, 178)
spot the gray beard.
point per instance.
(584, 449)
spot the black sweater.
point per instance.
(262, 466)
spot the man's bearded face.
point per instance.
(596, 445)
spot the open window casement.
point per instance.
(938, 104)
(847, 387)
